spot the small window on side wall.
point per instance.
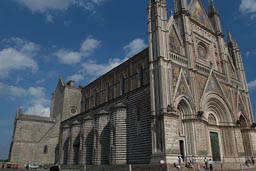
(122, 85)
(45, 149)
(107, 91)
(138, 122)
(140, 75)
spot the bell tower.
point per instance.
(160, 75)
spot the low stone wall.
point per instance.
(137, 167)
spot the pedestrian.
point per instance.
(211, 164)
(179, 160)
(190, 159)
(206, 162)
(198, 167)
(252, 160)
(193, 159)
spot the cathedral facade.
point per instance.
(185, 95)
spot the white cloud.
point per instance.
(98, 1)
(248, 53)
(252, 85)
(87, 48)
(8, 90)
(68, 57)
(37, 93)
(76, 77)
(36, 97)
(248, 7)
(49, 19)
(134, 47)
(38, 109)
(26, 47)
(11, 59)
(40, 81)
(44, 6)
(93, 69)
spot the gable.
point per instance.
(231, 68)
(199, 14)
(182, 87)
(213, 85)
(232, 71)
(174, 37)
(241, 105)
(174, 42)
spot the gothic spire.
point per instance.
(214, 17)
(180, 6)
(212, 10)
(230, 38)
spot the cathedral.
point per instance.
(185, 95)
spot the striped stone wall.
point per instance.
(119, 131)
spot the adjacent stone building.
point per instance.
(185, 95)
(35, 139)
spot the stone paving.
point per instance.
(218, 167)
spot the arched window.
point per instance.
(45, 149)
(138, 122)
(95, 97)
(138, 116)
(107, 91)
(140, 75)
(122, 85)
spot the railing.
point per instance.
(178, 59)
(203, 69)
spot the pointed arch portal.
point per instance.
(245, 135)
(186, 142)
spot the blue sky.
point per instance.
(41, 40)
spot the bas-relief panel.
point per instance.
(228, 142)
(201, 139)
(239, 141)
(199, 15)
(253, 135)
(171, 135)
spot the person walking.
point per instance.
(179, 160)
(211, 164)
(206, 162)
